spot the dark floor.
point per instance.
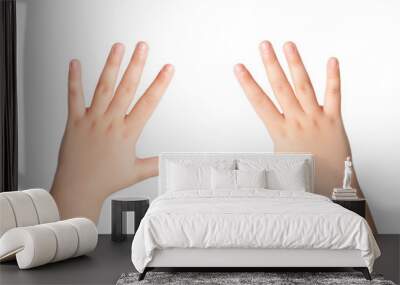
(110, 260)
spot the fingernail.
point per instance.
(168, 68)
(265, 46)
(117, 48)
(290, 47)
(73, 64)
(141, 46)
(239, 68)
(333, 62)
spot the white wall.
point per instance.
(203, 39)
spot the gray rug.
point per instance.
(269, 278)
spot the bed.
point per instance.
(247, 210)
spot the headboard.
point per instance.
(164, 158)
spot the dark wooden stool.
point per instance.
(119, 209)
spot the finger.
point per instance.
(76, 102)
(279, 83)
(301, 81)
(260, 101)
(332, 92)
(146, 167)
(105, 86)
(130, 81)
(143, 109)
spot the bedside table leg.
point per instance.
(117, 223)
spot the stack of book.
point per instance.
(344, 194)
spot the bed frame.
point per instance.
(233, 259)
(249, 259)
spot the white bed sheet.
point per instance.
(250, 218)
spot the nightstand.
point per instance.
(119, 209)
(356, 205)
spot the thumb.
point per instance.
(146, 168)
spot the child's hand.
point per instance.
(97, 155)
(304, 126)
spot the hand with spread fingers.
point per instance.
(304, 125)
(97, 154)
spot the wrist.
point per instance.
(76, 198)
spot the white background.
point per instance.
(204, 109)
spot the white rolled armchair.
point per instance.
(31, 230)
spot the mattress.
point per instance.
(250, 219)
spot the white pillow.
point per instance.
(189, 174)
(184, 177)
(236, 179)
(282, 174)
(251, 178)
(223, 179)
(293, 178)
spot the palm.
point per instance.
(304, 125)
(97, 154)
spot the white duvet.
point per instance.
(251, 218)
